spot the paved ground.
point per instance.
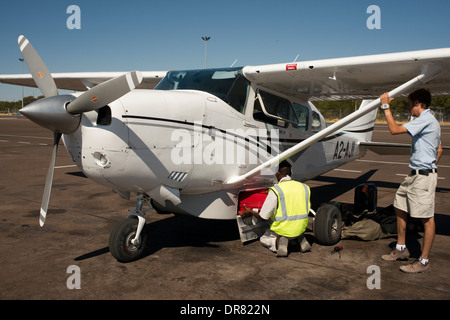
(191, 259)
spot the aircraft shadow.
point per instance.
(189, 231)
(338, 187)
(182, 231)
(186, 231)
(342, 185)
(77, 174)
(92, 254)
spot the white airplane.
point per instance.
(193, 142)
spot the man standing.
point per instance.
(287, 205)
(417, 192)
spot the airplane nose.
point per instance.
(51, 113)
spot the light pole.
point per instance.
(21, 71)
(206, 49)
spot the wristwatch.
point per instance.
(384, 106)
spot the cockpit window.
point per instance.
(316, 123)
(227, 84)
(302, 113)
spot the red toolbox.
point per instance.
(253, 199)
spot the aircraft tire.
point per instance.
(328, 225)
(120, 238)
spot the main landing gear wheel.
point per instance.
(120, 241)
(328, 225)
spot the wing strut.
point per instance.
(428, 73)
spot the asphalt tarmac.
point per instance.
(189, 258)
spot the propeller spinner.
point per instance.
(62, 114)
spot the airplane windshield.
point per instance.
(227, 84)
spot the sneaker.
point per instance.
(416, 267)
(396, 255)
(283, 247)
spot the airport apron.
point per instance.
(291, 216)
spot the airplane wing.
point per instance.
(386, 148)
(353, 78)
(80, 81)
(364, 77)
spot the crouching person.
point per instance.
(287, 206)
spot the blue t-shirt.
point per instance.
(426, 138)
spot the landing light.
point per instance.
(101, 160)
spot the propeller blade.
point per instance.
(49, 181)
(38, 69)
(105, 93)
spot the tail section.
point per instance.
(363, 127)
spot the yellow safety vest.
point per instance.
(291, 216)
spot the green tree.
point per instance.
(14, 106)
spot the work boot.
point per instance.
(396, 255)
(416, 267)
(283, 247)
(304, 245)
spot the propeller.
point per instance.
(49, 180)
(38, 69)
(105, 93)
(62, 114)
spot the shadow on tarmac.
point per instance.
(187, 231)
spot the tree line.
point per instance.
(15, 106)
(333, 110)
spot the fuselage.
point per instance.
(196, 130)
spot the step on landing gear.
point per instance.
(127, 242)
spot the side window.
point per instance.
(259, 115)
(316, 124)
(279, 109)
(302, 114)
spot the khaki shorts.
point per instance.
(416, 195)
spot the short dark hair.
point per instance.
(421, 95)
(285, 168)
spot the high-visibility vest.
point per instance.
(291, 216)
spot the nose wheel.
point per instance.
(127, 242)
(121, 244)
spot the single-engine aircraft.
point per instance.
(192, 141)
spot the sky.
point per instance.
(166, 35)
